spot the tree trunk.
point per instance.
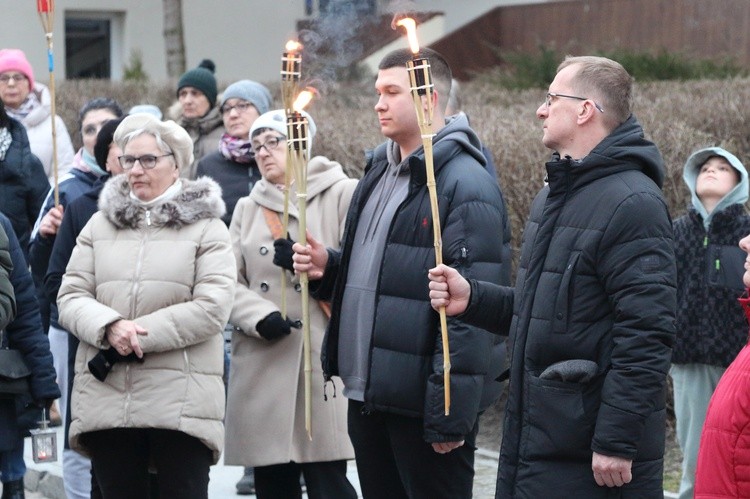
(174, 39)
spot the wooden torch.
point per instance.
(420, 78)
(299, 154)
(291, 72)
(46, 10)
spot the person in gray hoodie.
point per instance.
(383, 339)
(711, 327)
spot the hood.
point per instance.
(322, 173)
(43, 110)
(625, 149)
(199, 199)
(456, 136)
(738, 195)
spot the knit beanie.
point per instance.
(201, 78)
(15, 60)
(104, 139)
(147, 108)
(276, 120)
(250, 91)
(170, 132)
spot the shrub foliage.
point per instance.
(679, 116)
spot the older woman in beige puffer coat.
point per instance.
(150, 284)
(265, 412)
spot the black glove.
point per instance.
(274, 326)
(282, 256)
(103, 361)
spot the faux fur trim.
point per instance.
(199, 199)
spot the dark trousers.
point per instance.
(121, 457)
(324, 480)
(394, 461)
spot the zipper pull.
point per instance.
(717, 263)
(705, 241)
(148, 217)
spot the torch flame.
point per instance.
(303, 99)
(411, 32)
(293, 46)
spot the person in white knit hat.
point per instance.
(265, 406)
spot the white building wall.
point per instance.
(244, 38)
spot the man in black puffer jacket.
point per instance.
(594, 306)
(384, 339)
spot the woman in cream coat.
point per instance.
(265, 411)
(147, 292)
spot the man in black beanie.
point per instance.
(198, 114)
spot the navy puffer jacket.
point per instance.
(25, 334)
(406, 363)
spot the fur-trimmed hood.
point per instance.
(197, 200)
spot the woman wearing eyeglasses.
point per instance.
(151, 277)
(233, 165)
(265, 407)
(234, 168)
(29, 102)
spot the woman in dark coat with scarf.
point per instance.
(23, 183)
(23, 333)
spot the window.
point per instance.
(93, 42)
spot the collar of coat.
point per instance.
(199, 199)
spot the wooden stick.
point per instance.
(421, 87)
(47, 16)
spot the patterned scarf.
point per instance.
(29, 104)
(5, 140)
(237, 150)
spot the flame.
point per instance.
(411, 32)
(303, 99)
(293, 46)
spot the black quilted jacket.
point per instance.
(596, 282)
(406, 364)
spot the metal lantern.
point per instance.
(44, 442)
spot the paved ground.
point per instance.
(44, 481)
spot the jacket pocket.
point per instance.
(726, 266)
(564, 292)
(558, 424)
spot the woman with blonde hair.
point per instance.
(152, 278)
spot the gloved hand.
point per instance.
(102, 362)
(282, 256)
(274, 326)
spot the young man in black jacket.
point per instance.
(384, 339)
(594, 305)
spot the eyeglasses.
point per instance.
(548, 99)
(17, 77)
(147, 161)
(270, 145)
(241, 107)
